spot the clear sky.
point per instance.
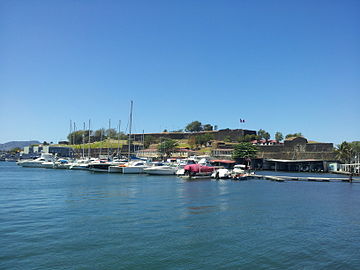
(289, 66)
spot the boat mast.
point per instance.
(89, 141)
(118, 140)
(143, 139)
(70, 135)
(101, 138)
(130, 124)
(108, 154)
(74, 134)
(83, 142)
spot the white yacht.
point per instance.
(82, 164)
(137, 166)
(48, 159)
(117, 166)
(161, 169)
(61, 164)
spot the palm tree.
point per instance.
(167, 147)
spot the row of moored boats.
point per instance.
(191, 168)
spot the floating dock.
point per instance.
(310, 178)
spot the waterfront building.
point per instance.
(295, 154)
(58, 151)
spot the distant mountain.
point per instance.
(10, 145)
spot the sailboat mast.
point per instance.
(109, 134)
(83, 142)
(101, 138)
(70, 135)
(130, 124)
(118, 148)
(89, 141)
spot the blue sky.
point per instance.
(289, 66)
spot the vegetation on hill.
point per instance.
(81, 136)
(298, 134)
(167, 147)
(196, 126)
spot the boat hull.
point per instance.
(132, 170)
(115, 169)
(160, 171)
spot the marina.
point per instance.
(58, 219)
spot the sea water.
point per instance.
(64, 219)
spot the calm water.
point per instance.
(61, 219)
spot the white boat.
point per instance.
(117, 166)
(221, 174)
(161, 170)
(115, 169)
(134, 167)
(61, 164)
(48, 164)
(240, 173)
(38, 163)
(82, 164)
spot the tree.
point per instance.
(203, 139)
(278, 136)
(355, 146)
(244, 150)
(167, 147)
(267, 136)
(344, 152)
(194, 126)
(192, 142)
(208, 127)
(249, 137)
(148, 140)
(15, 150)
(263, 134)
(98, 135)
(111, 133)
(298, 134)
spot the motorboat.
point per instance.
(161, 169)
(221, 173)
(134, 167)
(197, 171)
(48, 159)
(240, 172)
(99, 166)
(82, 164)
(104, 165)
(117, 166)
(61, 164)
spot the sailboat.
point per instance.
(131, 166)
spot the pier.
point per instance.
(311, 178)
